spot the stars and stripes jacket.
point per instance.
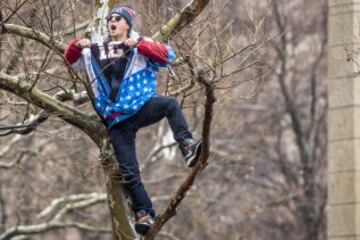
(133, 73)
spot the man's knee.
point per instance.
(172, 104)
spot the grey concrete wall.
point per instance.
(344, 120)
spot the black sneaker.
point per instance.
(191, 149)
(143, 222)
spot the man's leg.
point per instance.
(161, 106)
(123, 139)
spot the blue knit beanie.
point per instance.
(125, 12)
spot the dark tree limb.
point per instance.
(181, 20)
(34, 121)
(178, 196)
(21, 88)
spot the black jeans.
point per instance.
(123, 135)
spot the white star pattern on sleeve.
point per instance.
(131, 88)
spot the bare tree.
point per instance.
(42, 88)
(289, 159)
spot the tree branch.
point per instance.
(290, 105)
(56, 203)
(181, 20)
(35, 35)
(45, 227)
(4, 165)
(178, 196)
(73, 202)
(21, 88)
(34, 121)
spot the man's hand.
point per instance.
(131, 43)
(83, 43)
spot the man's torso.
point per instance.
(112, 59)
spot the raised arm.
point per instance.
(158, 52)
(73, 52)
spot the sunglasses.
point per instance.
(117, 18)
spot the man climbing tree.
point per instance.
(123, 70)
(43, 100)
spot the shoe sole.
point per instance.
(193, 160)
(141, 228)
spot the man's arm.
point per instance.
(156, 51)
(73, 51)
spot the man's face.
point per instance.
(117, 26)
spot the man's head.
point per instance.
(119, 22)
